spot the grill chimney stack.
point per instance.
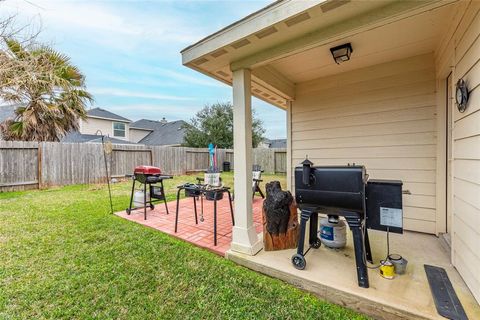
(307, 164)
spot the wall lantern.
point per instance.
(461, 95)
(341, 53)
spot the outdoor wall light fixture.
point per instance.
(461, 95)
(341, 53)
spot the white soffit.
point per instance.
(263, 18)
(269, 28)
(265, 33)
(411, 36)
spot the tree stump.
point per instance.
(280, 219)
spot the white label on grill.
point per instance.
(391, 217)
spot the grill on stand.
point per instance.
(335, 191)
(151, 176)
(345, 191)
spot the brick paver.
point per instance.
(200, 234)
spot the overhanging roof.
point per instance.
(287, 28)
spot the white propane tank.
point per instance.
(138, 198)
(333, 232)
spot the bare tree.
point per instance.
(22, 32)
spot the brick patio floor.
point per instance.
(202, 233)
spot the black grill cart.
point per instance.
(346, 191)
(335, 191)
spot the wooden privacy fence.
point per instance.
(31, 165)
(20, 165)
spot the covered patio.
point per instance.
(388, 104)
(330, 275)
(331, 272)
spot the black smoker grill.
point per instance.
(148, 175)
(345, 191)
(335, 191)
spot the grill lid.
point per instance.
(147, 170)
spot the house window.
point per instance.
(119, 129)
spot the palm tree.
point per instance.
(50, 90)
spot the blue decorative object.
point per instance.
(211, 151)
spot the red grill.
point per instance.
(147, 170)
(149, 175)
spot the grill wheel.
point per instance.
(299, 261)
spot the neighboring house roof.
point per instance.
(277, 143)
(105, 114)
(77, 137)
(163, 133)
(145, 124)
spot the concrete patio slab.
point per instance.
(330, 274)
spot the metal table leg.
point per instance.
(195, 209)
(231, 207)
(144, 201)
(201, 205)
(215, 219)
(176, 211)
(164, 196)
(129, 210)
(261, 193)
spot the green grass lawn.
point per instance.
(62, 255)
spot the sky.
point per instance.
(130, 52)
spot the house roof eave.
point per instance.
(109, 119)
(261, 19)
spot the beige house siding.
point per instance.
(137, 135)
(91, 125)
(383, 117)
(461, 49)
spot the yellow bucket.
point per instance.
(387, 269)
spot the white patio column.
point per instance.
(289, 146)
(244, 236)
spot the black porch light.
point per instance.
(341, 53)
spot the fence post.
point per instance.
(39, 164)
